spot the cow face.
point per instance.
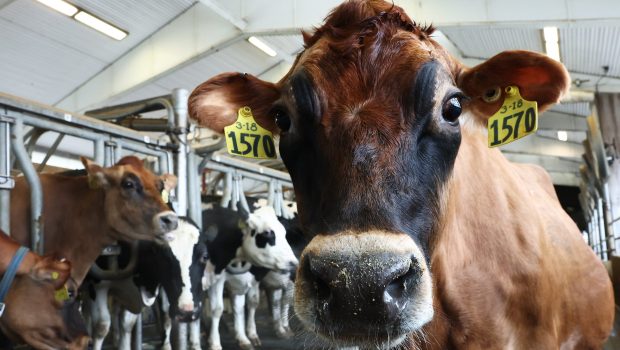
(264, 241)
(34, 316)
(191, 254)
(370, 126)
(134, 208)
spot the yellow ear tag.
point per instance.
(62, 294)
(516, 118)
(165, 196)
(248, 139)
(55, 275)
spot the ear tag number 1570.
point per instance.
(248, 139)
(516, 118)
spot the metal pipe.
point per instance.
(146, 124)
(6, 181)
(228, 189)
(137, 329)
(99, 151)
(179, 103)
(246, 174)
(36, 190)
(193, 194)
(251, 167)
(102, 274)
(50, 152)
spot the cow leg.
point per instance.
(194, 335)
(127, 322)
(275, 300)
(238, 303)
(167, 321)
(100, 315)
(216, 303)
(253, 299)
(288, 296)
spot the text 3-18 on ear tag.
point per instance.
(248, 139)
(516, 118)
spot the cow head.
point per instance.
(134, 207)
(34, 315)
(264, 241)
(370, 125)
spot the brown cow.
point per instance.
(32, 313)
(423, 237)
(83, 214)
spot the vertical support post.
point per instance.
(601, 228)
(99, 151)
(137, 333)
(607, 217)
(6, 181)
(36, 190)
(193, 193)
(179, 103)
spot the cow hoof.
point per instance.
(246, 346)
(255, 341)
(284, 333)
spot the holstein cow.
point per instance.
(423, 237)
(32, 314)
(177, 266)
(83, 214)
(236, 241)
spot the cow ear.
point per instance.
(538, 77)
(96, 174)
(170, 181)
(215, 103)
(53, 270)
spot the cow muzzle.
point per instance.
(356, 289)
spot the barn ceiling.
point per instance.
(48, 57)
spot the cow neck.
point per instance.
(482, 224)
(85, 231)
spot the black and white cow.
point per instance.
(233, 249)
(177, 267)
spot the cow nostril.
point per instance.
(169, 222)
(399, 289)
(315, 274)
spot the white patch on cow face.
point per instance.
(186, 236)
(289, 210)
(278, 256)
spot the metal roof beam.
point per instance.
(225, 14)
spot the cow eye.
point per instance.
(283, 121)
(452, 110)
(127, 184)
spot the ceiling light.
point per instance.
(562, 135)
(262, 46)
(100, 25)
(552, 45)
(61, 6)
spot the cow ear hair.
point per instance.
(538, 77)
(96, 174)
(216, 102)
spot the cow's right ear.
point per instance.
(215, 103)
(96, 174)
(53, 270)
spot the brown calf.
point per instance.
(423, 237)
(32, 313)
(83, 214)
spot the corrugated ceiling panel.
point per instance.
(486, 42)
(40, 69)
(586, 48)
(240, 57)
(580, 108)
(289, 44)
(46, 55)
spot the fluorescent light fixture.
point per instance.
(61, 6)
(100, 25)
(262, 46)
(552, 45)
(562, 135)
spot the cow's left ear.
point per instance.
(538, 77)
(215, 103)
(53, 270)
(96, 174)
(170, 181)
